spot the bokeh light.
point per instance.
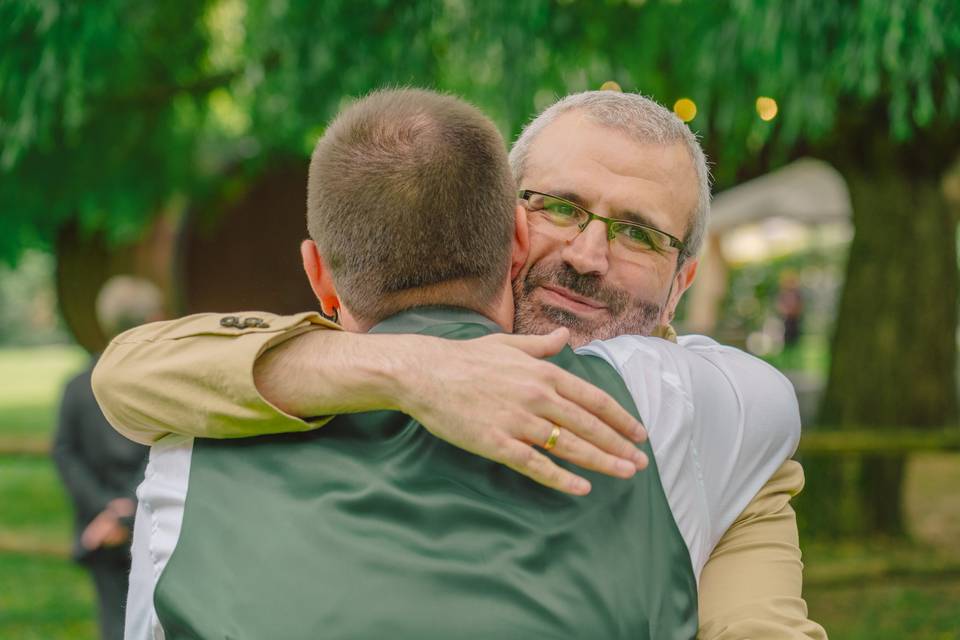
(610, 85)
(767, 108)
(686, 109)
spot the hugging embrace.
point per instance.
(398, 464)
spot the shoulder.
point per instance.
(222, 324)
(687, 348)
(757, 403)
(692, 355)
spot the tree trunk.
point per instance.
(894, 348)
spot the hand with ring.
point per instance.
(552, 439)
(523, 403)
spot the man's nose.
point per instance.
(588, 253)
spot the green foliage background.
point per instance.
(109, 109)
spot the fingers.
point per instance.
(117, 536)
(586, 395)
(575, 421)
(599, 404)
(94, 533)
(533, 345)
(578, 451)
(524, 459)
(523, 400)
(590, 444)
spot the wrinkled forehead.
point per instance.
(612, 173)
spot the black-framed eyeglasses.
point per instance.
(567, 219)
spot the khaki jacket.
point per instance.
(194, 376)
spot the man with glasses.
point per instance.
(632, 171)
(631, 239)
(605, 212)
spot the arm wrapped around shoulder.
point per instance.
(194, 376)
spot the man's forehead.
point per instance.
(606, 168)
(574, 139)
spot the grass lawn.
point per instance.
(30, 395)
(36, 515)
(857, 591)
(889, 610)
(52, 599)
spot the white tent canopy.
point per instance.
(777, 213)
(806, 191)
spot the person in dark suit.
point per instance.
(100, 468)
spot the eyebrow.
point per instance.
(628, 216)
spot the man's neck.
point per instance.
(423, 318)
(502, 310)
(499, 312)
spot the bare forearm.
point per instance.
(323, 373)
(515, 400)
(493, 396)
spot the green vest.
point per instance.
(371, 527)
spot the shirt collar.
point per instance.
(419, 319)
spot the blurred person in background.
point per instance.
(100, 468)
(790, 310)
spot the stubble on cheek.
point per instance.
(532, 317)
(626, 315)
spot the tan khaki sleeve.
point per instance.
(751, 587)
(194, 376)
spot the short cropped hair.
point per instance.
(645, 121)
(410, 199)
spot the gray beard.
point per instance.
(628, 316)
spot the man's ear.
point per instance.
(681, 282)
(521, 242)
(319, 276)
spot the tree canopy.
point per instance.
(109, 109)
(112, 110)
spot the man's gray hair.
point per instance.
(647, 122)
(125, 302)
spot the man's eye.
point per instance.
(560, 208)
(639, 237)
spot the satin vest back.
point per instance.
(371, 527)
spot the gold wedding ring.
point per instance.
(552, 440)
